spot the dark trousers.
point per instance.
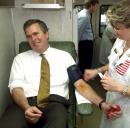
(54, 115)
(85, 54)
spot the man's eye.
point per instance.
(35, 34)
(117, 28)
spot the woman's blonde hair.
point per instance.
(119, 14)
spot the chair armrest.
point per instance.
(84, 108)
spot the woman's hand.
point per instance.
(112, 111)
(110, 84)
(32, 114)
(90, 74)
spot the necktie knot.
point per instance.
(44, 61)
(42, 55)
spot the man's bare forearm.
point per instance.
(85, 90)
(19, 98)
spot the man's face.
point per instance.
(93, 8)
(38, 40)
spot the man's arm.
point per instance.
(81, 25)
(32, 113)
(19, 98)
(85, 90)
(82, 87)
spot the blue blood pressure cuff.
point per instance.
(74, 73)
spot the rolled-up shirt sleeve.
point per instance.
(17, 75)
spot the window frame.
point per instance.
(103, 9)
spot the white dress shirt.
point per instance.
(84, 25)
(25, 72)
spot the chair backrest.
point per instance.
(69, 47)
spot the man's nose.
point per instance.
(33, 38)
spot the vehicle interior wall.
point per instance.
(7, 53)
(59, 22)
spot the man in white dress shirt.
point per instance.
(25, 78)
(85, 35)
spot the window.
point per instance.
(103, 19)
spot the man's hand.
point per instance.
(32, 114)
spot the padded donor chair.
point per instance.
(69, 47)
(83, 109)
(10, 115)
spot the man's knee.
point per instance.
(56, 115)
(13, 118)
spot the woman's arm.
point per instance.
(91, 73)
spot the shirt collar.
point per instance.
(46, 53)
